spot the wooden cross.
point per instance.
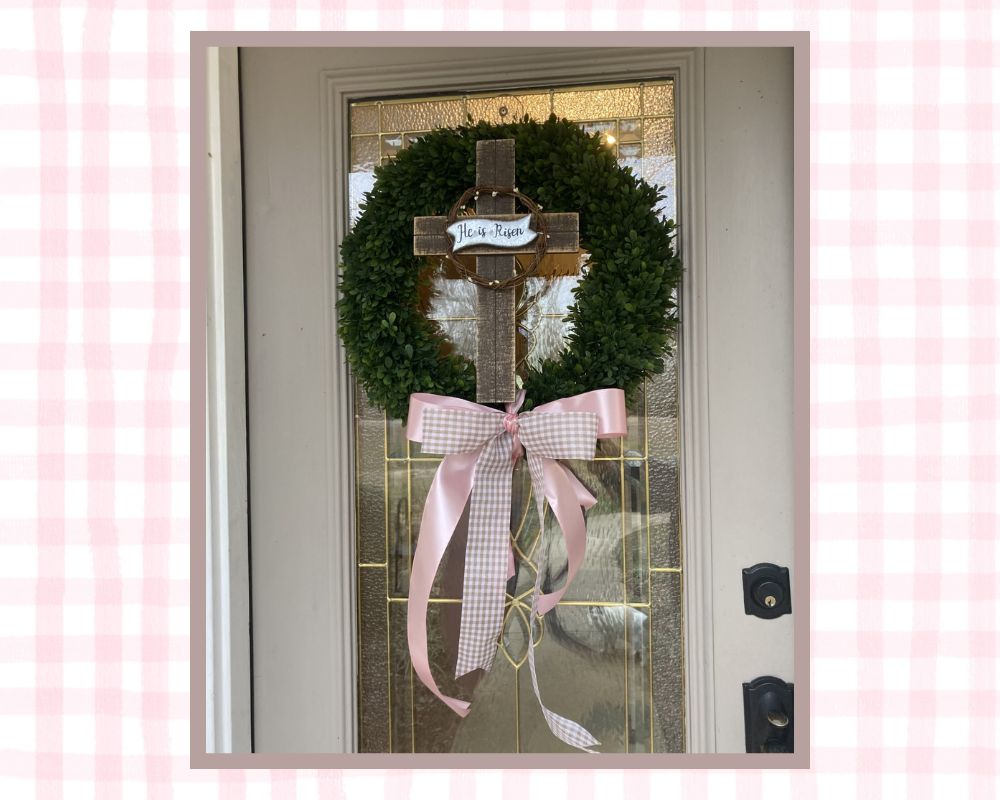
(495, 342)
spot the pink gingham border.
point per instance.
(94, 374)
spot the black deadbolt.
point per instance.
(766, 591)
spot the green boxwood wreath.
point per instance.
(623, 311)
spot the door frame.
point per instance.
(560, 66)
(228, 661)
(337, 88)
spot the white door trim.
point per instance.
(227, 608)
(749, 189)
(695, 475)
(557, 65)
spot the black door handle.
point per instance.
(768, 713)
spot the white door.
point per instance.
(734, 192)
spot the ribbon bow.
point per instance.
(480, 447)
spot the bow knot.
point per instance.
(512, 426)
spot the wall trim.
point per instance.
(227, 612)
(498, 73)
(696, 515)
(340, 432)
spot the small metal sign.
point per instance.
(472, 231)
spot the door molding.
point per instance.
(227, 607)
(496, 73)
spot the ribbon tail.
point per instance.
(487, 558)
(446, 499)
(567, 497)
(566, 730)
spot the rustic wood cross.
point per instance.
(496, 327)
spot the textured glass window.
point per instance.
(610, 655)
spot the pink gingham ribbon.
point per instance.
(480, 447)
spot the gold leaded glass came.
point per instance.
(610, 655)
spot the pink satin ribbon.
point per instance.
(453, 484)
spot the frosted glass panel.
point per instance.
(505, 107)
(659, 98)
(599, 103)
(364, 153)
(610, 655)
(364, 118)
(421, 116)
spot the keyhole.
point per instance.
(770, 601)
(778, 719)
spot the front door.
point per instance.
(654, 624)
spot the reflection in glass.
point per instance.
(630, 130)
(391, 144)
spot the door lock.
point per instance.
(766, 591)
(768, 715)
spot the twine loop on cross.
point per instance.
(538, 224)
